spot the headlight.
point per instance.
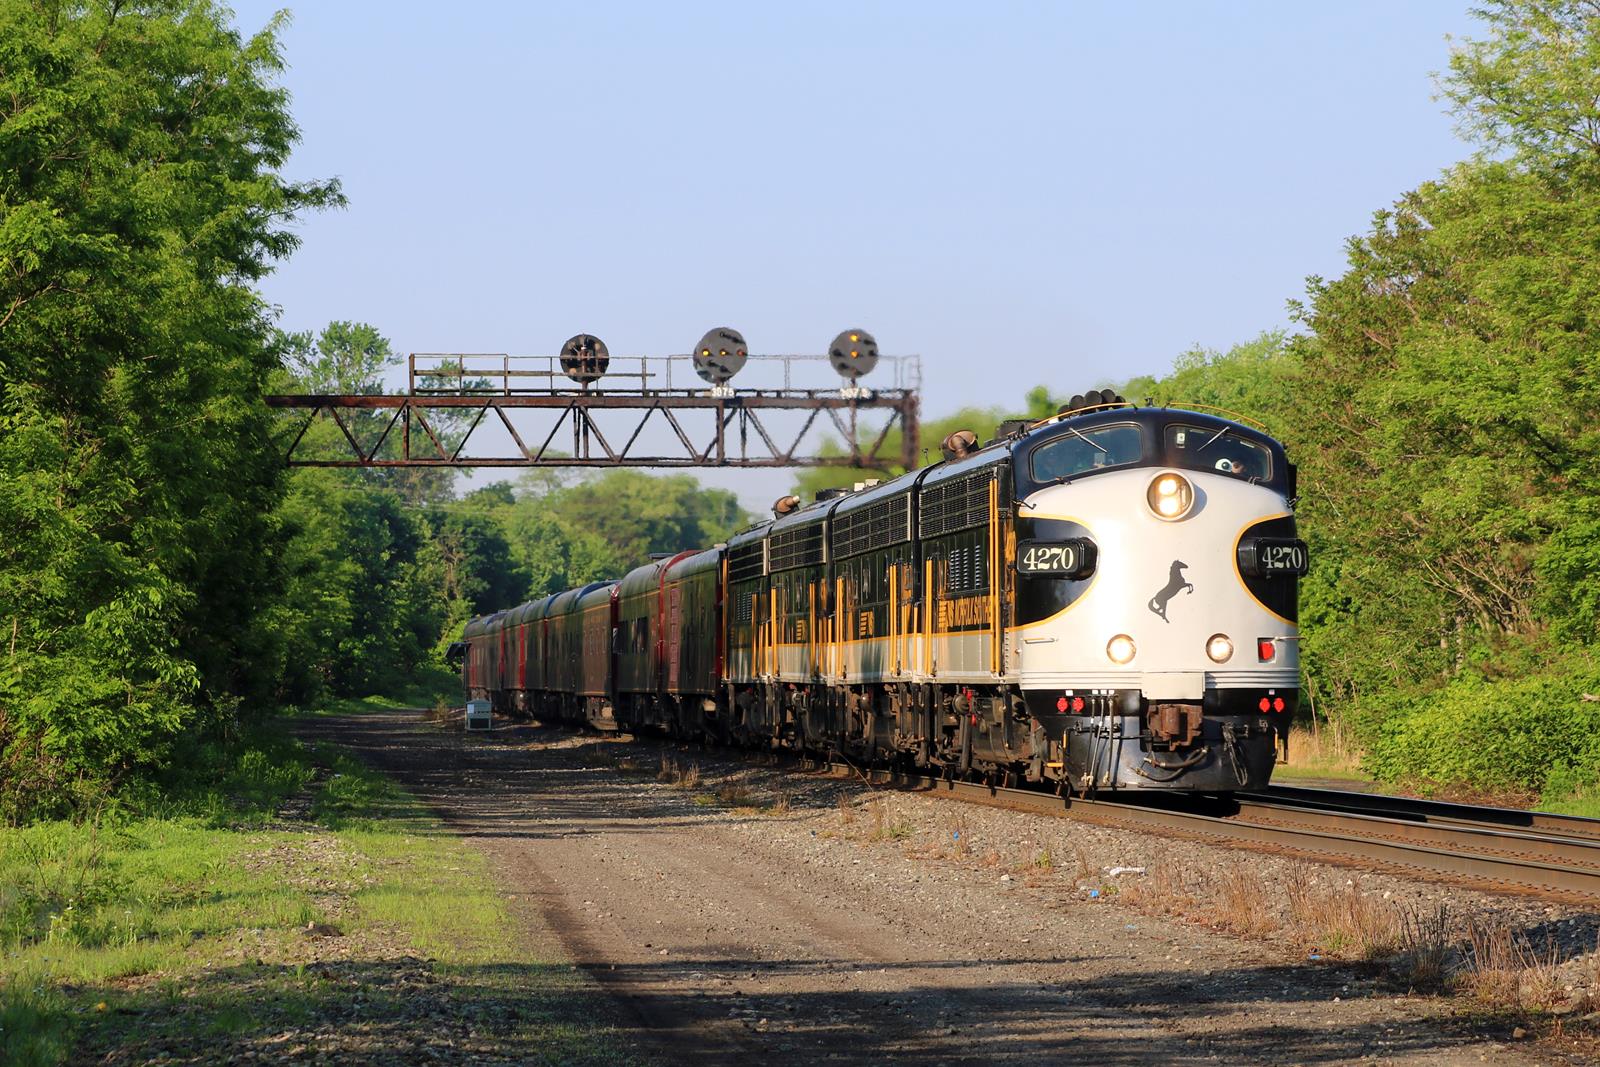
(1170, 496)
(1120, 648)
(1219, 648)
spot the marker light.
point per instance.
(1219, 648)
(1170, 496)
(1120, 648)
(1265, 705)
(1278, 704)
(1266, 649)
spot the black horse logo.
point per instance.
(1175, 585)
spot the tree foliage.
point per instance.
(141, 195)
(1531, 86)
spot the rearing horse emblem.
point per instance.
(1175, 585)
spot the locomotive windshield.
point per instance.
(1088, 451)
(1220, 450)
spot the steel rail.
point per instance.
(1493, 859)
(1431, 811)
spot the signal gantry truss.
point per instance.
(476, 410)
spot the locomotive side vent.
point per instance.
(747, 561)
(879, 525)
(800, 546)
(959, 504)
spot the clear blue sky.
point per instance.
(1021, 193)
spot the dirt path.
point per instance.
(727, 937)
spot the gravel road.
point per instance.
(728, 927)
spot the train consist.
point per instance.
(1104, 600)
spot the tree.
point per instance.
(141, 195)
(981, 421)
(637, 513)
(1445, 406)
(345, 358)
(352, 358)
(1532, 86)
(1252, 382)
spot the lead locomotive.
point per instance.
(1105, 600)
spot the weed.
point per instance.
(881, 827)
(1085, 869)
(846, 816)
(1246, 908)
(1345, 922)
(736, 793)
(1424, 951)
(704, 800)
(1505, 971)
(781, 805)
(1161, 891)
(690, 778)
(1043, 860)
(670, 771)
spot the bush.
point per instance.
(1527, 732)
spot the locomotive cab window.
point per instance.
(1088, 452)
(1221, 451)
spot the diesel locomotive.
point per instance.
(1103, 600)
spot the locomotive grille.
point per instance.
(747, 561)
(879, 525)
(958, 504)
(799, 546)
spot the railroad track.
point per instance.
(1497, 849)
(1491, 848)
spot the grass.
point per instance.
(426, 693)
(1564, 797)
(1320, 754)
(205, 923)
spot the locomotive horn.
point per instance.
(1094, 398)
(959, 444)
(785, 504)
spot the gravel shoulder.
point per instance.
(757, 913)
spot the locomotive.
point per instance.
(1101, 600)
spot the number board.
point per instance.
(1271, 556)
(1064, 559)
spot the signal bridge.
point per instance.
(585, 408)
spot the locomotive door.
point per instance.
(674, 634)
(901, 616)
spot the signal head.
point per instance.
(720, 354)
(584, 358)
(853, 353)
